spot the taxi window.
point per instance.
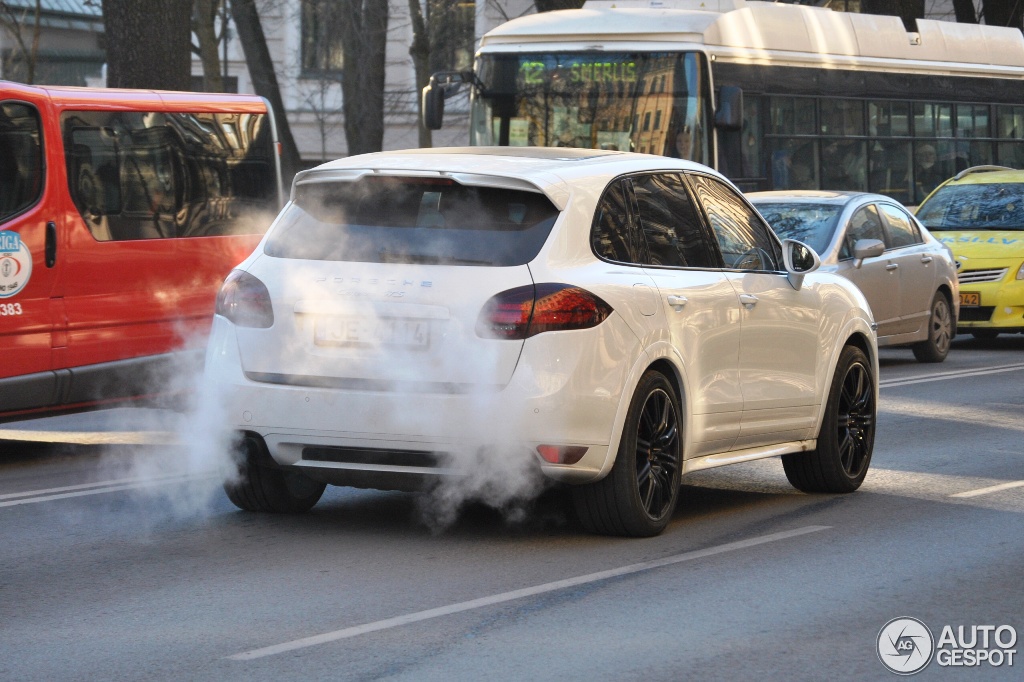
(21, 158)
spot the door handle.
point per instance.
(926, 259)
(51, 244)
(677, 302)
(748, 300)
(892, 266)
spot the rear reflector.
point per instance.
(527, 311)
(561, 454)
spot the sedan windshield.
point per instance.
(812, 224)
(997, 206)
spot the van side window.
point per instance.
(151, 175)
(21, 158)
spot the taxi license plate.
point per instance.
(970, 298)
(386, 331)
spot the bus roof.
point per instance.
(759, 32)
(66, 97)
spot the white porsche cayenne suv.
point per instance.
(611, 320)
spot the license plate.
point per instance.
(970, 298)
(361, 331)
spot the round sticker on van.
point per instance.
(15, 264)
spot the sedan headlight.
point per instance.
(1020, 271)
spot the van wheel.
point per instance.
(260, 488)
(847, 435)
(940, 332)
(640, 493)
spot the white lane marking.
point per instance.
(141, 483)
(92, 437)
(398, 621)
(84, 486)
(990, 489)
(957, 374)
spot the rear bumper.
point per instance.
(565, 390)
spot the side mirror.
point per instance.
(433, 107)
(729, 115)
(799, 260)
(866, 248)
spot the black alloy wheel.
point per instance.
(657, 453)
(847, 436)
(638, 497)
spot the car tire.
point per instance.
(847, 436)
(984, 334)
(639, 495)
(261, 488)
(940, 332)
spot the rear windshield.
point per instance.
(812, 224)
(997, 206)
(412, 220)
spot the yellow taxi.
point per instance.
(979, 215)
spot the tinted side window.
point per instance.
(865, 224)
(743, 238)
(145, 175)
(610, 236)
(902, 231)
(670, 223)
(21, 158)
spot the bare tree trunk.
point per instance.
(420, 52)
(907, 10)
(148, 44)
(264, 80)
(1003, 13)
(364, 41)
(204, 25)
(13, 20)
(964, 11)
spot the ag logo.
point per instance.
(905, 646)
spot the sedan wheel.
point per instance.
(847, 435)
(639, 495)
(940, 332)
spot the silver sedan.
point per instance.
(908, 276)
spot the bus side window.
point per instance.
(21, 158)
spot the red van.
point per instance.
(121, 212)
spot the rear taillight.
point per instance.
(244, 300)
(527, 311)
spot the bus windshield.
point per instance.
(655, 103)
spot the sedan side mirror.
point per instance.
(799, 260)
(866, 248)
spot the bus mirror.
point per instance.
(729, 115)
(433, 107)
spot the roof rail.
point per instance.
(979, 169)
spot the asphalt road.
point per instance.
(124, 560)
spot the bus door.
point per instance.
(31, 260)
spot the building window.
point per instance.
(321, 36)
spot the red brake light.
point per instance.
(527, 311)
(244, 300)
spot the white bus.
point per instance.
(774, 96)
